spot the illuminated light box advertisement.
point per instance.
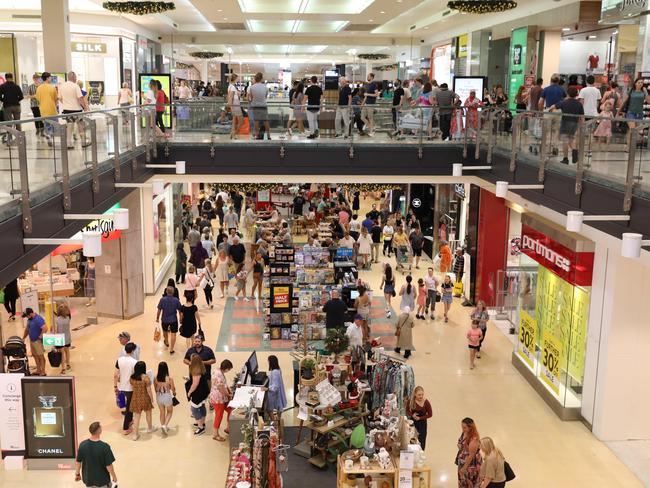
(465, 84)
(49, 414)
(146, 95)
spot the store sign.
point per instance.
(12, 429)
(616, 10)
(105, 226)
(574, 267)
(281, 297)
(49, 414)
(416, 202)
(89, 47)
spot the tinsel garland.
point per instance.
(373, 57)
(482, 6)
(139, 8)
(371, 187)
(205, 54)
(247, 187)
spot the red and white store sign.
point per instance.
(572, 266)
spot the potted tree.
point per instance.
(336, 342)
(307, 368)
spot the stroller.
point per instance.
(15, 355)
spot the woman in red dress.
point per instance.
(472, 103)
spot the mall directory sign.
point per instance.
(518, 41)
(146, 94)
(49, 415)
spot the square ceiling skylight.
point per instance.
(345, 7)
(320, 26)
(271, 25)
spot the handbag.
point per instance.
(507, 470)
(55, 357)
(120, 399)
(438, 296)
(157, 332)
(175, 401)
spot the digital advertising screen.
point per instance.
(49, 415)
(146, 95)
(465, 84)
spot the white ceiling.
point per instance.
(305, 30)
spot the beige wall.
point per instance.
(551, 55)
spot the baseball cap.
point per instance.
(124, 335)
(28, 311)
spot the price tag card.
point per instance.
(405, 479)
(406, 460)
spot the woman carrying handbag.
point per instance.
(207, 282)
(495, 470)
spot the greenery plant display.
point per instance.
(336, 342)
(139, 8)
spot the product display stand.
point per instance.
(347, 477)
(279, 298)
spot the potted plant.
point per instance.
(336, 342)
(307, 368)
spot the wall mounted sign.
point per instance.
(416, 202)
(89, 47)
(12, 429)
(572, 266)
(105, 226)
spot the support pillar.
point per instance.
(119, 284)
(55, 19)
(549, 61)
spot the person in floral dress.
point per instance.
(472, 103)
(469, 458)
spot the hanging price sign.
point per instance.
(527, 338)
(551, 359)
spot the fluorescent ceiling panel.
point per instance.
(73, 5)
(270, 25)
(320, 26)
(345, 7)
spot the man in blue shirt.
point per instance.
(368, 110)
(367, 223)
(552, 94)
(35, 329)
(169, 306)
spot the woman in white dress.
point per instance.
(221, 272)
(234, 104)
(365, 247)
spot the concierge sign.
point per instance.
(572, 266)
(49, 415)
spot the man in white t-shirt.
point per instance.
(431, 283)
(121, 381)
(184, 91)
(347, 241)
(72, 101)
(589, 96)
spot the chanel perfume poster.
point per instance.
(49, 413)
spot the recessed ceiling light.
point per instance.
(225, 18)
(220, 10)
(370, 20)
(566, 29)
(425, 28)
(382, 12)
(592, 37)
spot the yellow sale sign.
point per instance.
(527, 338)
(551, 359)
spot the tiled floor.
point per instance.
(242, 325)
(544, 451)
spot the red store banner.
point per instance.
(572, 266)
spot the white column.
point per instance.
(643, 50)
(56, 35)
(550, 58)
(146, 194)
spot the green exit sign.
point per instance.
(56, 340)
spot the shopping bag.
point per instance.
(157, 332)
(120, 400)
(55, 357)
(458, 289)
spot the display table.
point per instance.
(347, 477)
(241, 400)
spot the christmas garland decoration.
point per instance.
(386, 67)
(206, 54)
(139, 8)
(482, 6)
(246, 187)
(373, 57)
(371, 187)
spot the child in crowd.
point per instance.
(422, 300)
(474, 335)
(603, 132)
(240, 279)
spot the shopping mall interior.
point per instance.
(384, 244)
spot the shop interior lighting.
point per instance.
(179, 167)
(458, 168)
(504, 186)
(91, 242)
(119, 216)
(574, 219)
(631, 245)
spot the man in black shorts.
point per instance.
(417, 243)
(169, 306)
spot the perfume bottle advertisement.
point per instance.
(49, 415)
